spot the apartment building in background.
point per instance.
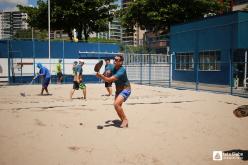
(118, 33)
(10, 22)
(239, 5)
(114, 31)
(132, 38)
(114, 28)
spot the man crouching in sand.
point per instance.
(123, 88)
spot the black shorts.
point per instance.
(107, 84)
(45, 82)
(75, 85)
(59, 74)
(78, 86)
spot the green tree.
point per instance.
(158, 15)
(87, 16)
(27, 34)
(92, 16)
(37, 16)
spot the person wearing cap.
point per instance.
(107, 73)
(123, 87)
(45, 76)
(78, 79)
(59, 72)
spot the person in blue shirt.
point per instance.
(107, 73)
(45, 76)
(123, 87)
(78, 79)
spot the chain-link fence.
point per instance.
(179, 70)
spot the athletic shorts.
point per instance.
(107, 84)
(45, 82)
(77, 85)
(125, 93)
(59, 74)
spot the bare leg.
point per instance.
(109, 89)
(72, 92)
(118, 113)
(46, 90)
(42, 90)
(84, 92)
(118, 107)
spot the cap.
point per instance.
(81, 61)
(39, 65)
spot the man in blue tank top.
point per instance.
(123, 88)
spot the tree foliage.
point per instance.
(27, 34)
(87, 16)
(158, 15)
(37, 16)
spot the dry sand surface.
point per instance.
(166, 127)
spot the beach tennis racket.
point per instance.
(241, 111)
(98, 66)
(35, 77)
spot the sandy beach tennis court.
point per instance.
(166, 126)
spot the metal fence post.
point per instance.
(150, 66)
(63, 54)
(231, 73)
(197, 76)
(196, 59)
(8, 45)
(141, 60)
(170, 70)
(33, 51)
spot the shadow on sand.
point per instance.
(113, 123)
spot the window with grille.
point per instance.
(209, 60)
(184, 61)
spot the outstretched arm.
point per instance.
(106, 79)
(36, 76)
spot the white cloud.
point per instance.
(10, 5)
(22, 2)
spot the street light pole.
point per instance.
(49, 41)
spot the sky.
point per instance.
(10, 5)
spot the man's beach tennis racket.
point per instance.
(98, 66)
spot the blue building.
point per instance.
(210, 50)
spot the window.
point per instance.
(210, 61)
(184, 61)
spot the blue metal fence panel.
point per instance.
(71, 49)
